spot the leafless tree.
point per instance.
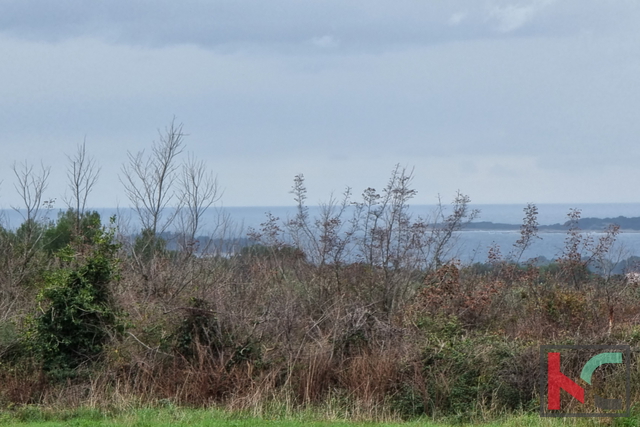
(31, 186)
(325, 238)
(443, 234)
(388, 232)
(149, 180)
(300, 227)
(82, 174)
(528, 232)
(200, 190)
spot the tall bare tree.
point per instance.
(149, 179)
(200, 190)
(82, 175)
(30, 186)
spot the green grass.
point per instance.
(36, 417)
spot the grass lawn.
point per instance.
(34, 417)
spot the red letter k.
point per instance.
(557, 380)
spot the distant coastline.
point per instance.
(496, 218)
(586, 224)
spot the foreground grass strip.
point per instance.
(33, 417)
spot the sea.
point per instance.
(471, 246)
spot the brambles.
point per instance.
(200, 330)
(446, 293)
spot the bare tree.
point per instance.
(31, 186)
(323, 238)
(200, 190)
(149, 180)
(528, 232)
(82, 174)
(388, 233)
(443, 235)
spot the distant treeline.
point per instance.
(595, 224)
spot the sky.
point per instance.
(505, 101)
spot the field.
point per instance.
(214, 418)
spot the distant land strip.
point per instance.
(588, 224)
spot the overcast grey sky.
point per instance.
(507, 101)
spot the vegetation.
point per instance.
(360, 314)
(75, 326)
(174, 416)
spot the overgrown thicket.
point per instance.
(361, 309)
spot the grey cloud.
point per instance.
(357, 24)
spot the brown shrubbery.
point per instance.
(267, 327)
(361, 311)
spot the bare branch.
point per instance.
(149, 180)
(82, 175)
(199, 191)
(30, 187)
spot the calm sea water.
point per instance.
(473, 245)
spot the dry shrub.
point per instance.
(372, 376)
(260, 332)
(20, 387)
(447, 292)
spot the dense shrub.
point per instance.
(460, 373)
(72, 229)
(78, 314)
(200, 330)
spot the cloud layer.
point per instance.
(287, 24)
(501, 99)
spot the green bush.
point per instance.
(77, 312)
(72, 228)
(148, 244)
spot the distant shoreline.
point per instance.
(585, 224)
(493, 218)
